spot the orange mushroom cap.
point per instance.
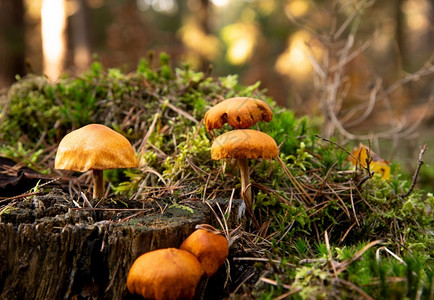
(244, 143)
(210, 248)
(94, 147)
(165, 274)
(239, 112)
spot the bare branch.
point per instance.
(416, 173)
(371, 104)
(340, 49)
(426, 70)
(347, 22)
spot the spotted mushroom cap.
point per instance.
(244, 143)
(165, 274)
(239, 112)
(94, 147)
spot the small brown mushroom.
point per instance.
(165, 274)
(210, 248)
(244, 144)
(95, 147)
(239, 112)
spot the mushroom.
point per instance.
(244, 144)
(95, 147)
(210, 248)
(165, 274)
(239, 112)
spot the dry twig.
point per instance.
(416, 173)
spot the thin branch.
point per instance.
(341, 147)
(294, 181)
(357, 288)
(275, 283)
(331, 79)
(377, 255)
(371, 103)
(420, 119)
(426, 70)
(416, 173)
(20, 196)
(351, 17)
(330, 257)
(343, 265)
(349, 57)
(324, 181)
(352, 203)
(178, 110)
(147, 135)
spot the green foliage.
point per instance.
(377, 273)
(31, 105)
(193, 150)
(310, 281)
(413, 215)
(130, 184)
(300, 158)
(20, 153)
(288, 130)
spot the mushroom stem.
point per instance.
(98, 184)
(243, 164)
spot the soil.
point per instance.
(55, 248)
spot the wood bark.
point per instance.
(49, 250)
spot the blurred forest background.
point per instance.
(365, 67)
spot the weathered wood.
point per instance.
(49, 253)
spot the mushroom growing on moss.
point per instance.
(210, 248)
(95, 147)
(244, 144)
(239, 112)
(165, 274)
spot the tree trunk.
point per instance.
(400, 34)
(53, 24)
(12, 45)
(51, 249)
(80, 37)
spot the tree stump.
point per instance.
(51, 249)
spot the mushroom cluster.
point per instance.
(241, 144)
(176, 273)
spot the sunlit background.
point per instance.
(273, 41)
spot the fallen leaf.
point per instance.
(376, 163)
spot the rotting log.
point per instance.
(49, 250)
